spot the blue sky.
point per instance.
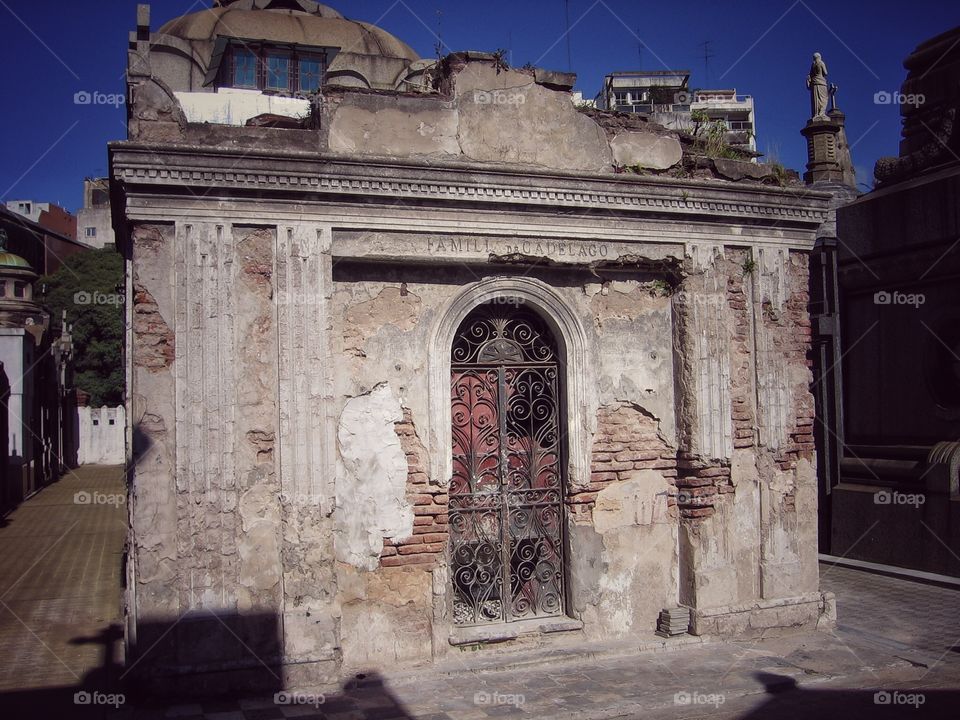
(56, 48)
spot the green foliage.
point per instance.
(88, 287)
(749, 266)
(780, 173)
(700, 119)
(661, 288)
(710, 137)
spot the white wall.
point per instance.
(232, 106)
(99, 218)
(17, 357)
(102, 434)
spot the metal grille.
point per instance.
(506, 492)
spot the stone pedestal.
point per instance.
(828, 155)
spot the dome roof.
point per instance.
(9, 260)
(288, 21)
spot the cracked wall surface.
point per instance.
(700, 487)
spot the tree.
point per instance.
(89, 287)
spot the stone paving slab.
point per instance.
(60, 580)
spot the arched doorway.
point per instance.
(506, 491)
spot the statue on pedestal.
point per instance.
(817, 83)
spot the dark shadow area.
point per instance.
(788, 701)
(101, 684)
(205, 654)
(459, 274)
(363, 696)
(225, 660)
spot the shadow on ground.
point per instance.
(149, 685)
(249, 643)
(789, 701)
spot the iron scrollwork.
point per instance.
(505, 507)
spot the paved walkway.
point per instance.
(60, 580)
(896, 637)
(60, 584)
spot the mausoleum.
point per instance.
(422, 355)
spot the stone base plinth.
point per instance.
(814, 611)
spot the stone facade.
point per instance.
(296, 296)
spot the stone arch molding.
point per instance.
(578, 374)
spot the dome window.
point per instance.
(310, 74)
(244, 68)
(272, 68)
(278, 72)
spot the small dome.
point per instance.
(9, 260)
(288, 21)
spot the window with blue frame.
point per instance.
(278, 72)
(274, 69)
(244, 68)
(311, 74)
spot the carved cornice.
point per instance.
(213, 173)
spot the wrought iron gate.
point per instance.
(506, 494)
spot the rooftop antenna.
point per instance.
(706, 61)
(640, 47)
(439, 46)
(569, 54)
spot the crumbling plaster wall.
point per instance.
(154, 520)
(206, 522)
(747, 486)
(381, 333)
(213, 527)
(679, 504)
(492, 115)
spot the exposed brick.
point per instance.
(421, 559)
(429, 510)
(435, 538)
